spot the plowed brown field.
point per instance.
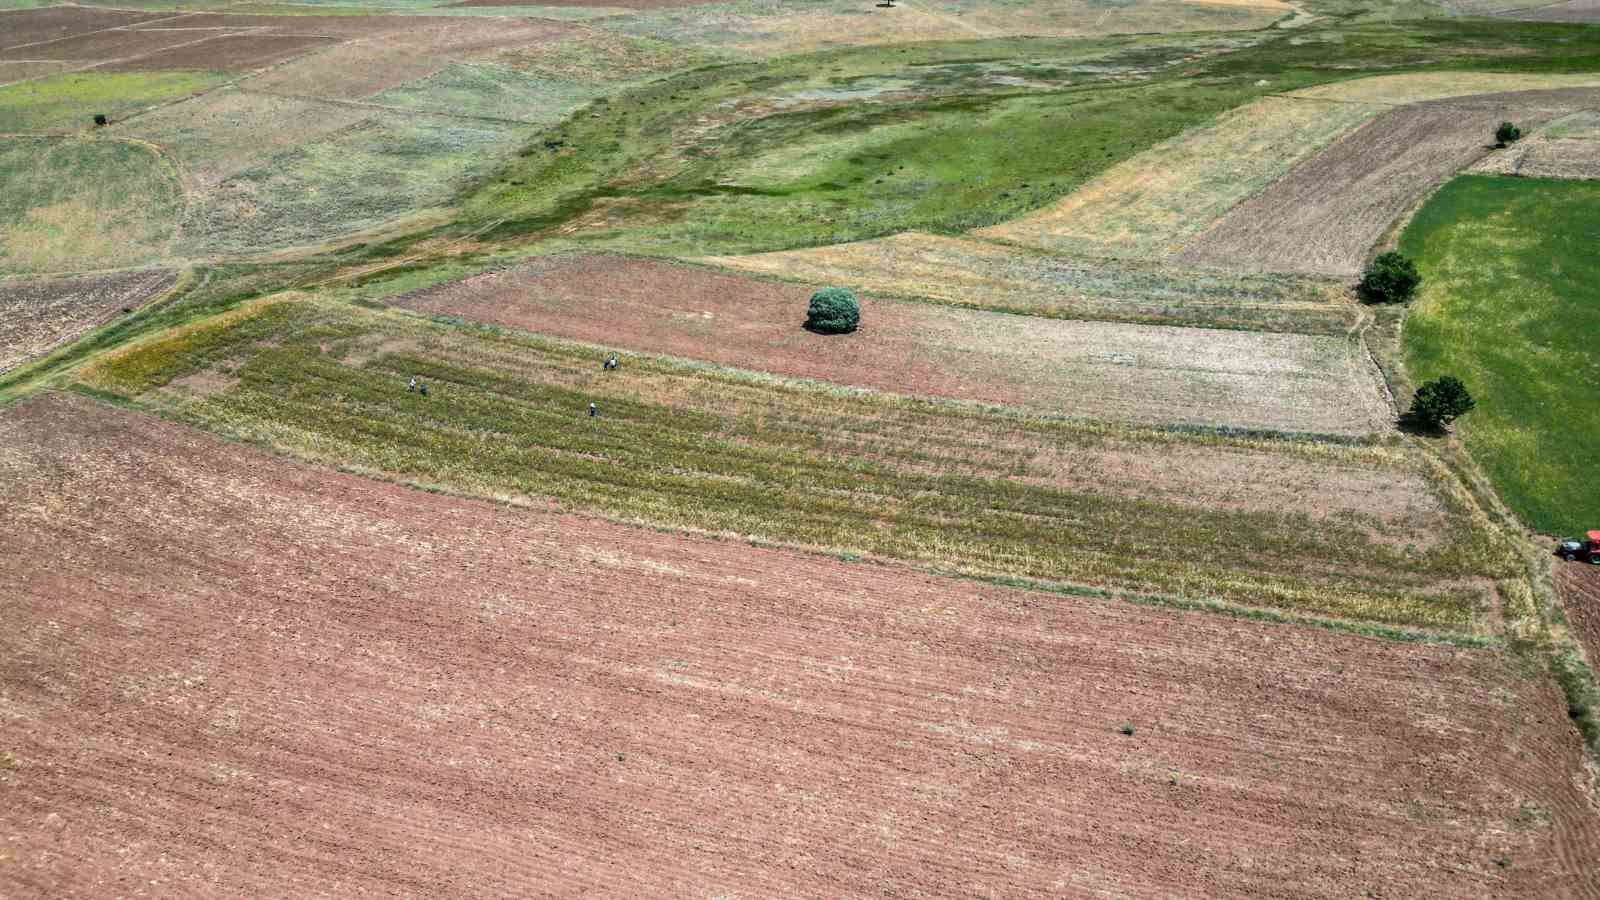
(37, 315)
(30, 26)
(1149, 374)
(1325, 216)
(225, 673)
(1579, 586)
(237, 52)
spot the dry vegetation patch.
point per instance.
(1097, 370)
(1418, 87)
(37, 315)
(1324, 217)
(1566, 148)
(1151, 204)
(291, 669)
(1574, 11)
(993, 276)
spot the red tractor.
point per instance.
(1588, 550)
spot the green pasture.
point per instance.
(490, 92)
(1510, 305)
(69, 102)
(79, 204)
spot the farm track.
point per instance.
(275, 678)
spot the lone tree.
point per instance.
(833, 311)
(1439, 402)
(1507, 133)
(1391, 278)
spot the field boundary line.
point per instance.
(182, 15)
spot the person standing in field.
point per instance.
(593, 410)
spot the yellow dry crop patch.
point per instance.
(133, 368)
(1418, 87)
(1148, 206)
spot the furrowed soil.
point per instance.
(997, 277)
(1325, 216)
(103, 46)
(952, 487)
(35, 26)
(231, 53)
(1130, 373)
(1579, 587)
(231, 674)
(39, 315)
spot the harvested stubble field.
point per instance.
(1325, 216)
(1089, 370)
(943, 485)
(295, 678)
(1566, 148)
(37, 315)
(997, 277)
(1150, 205)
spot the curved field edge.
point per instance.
(685, 445)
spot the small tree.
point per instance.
(1439, 402)
(1507, 133)
(1391, 278)
(833, 311)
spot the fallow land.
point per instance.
(1097, 560)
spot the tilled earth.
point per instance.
(39, 314)
(226, 673)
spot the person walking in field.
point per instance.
(412, 385)
(593, 410)
(612, 362)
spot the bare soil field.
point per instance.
(37, 315)
(993, 276)
(32, 26)
(231, 674)
(103, 46)
(1119, 372)
(1566, 148)
(606, 4)
(1324, 217)
(1148, 206)
(325, 26)
(1579, 586)
(229, 53)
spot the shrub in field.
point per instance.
(1507, 133)
(833, 311)
(1391, 278)
(1439, 402)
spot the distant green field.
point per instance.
(77, 204)
(1510, 304)
(69, 102)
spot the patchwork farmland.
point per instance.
(429, 463)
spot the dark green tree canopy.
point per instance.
(1391, 278)
(833, 311)
(1440, 402)
(1507, 133)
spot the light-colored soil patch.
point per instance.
(978, 273)
(37, 315)
(1423, 86)
(228, 53)
(1096, 370)
(1325, 216)
(292, 669)
(359, 69)
(1566, 148)
(1149, 205)
(22, 71)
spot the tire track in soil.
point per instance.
(225, 672)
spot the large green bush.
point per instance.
(1391, 278)
(833, 311)
(1439, 402)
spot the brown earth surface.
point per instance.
(326, 26)
(236, 53)
(103, 46)
(1324, 216)
(29, 26)
(608, 4)
(226, 673)
(1579, 586)
(37, 315)
(1147, 374)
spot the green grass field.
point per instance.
(1509, 306)
(79, 204)
(69, 102)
